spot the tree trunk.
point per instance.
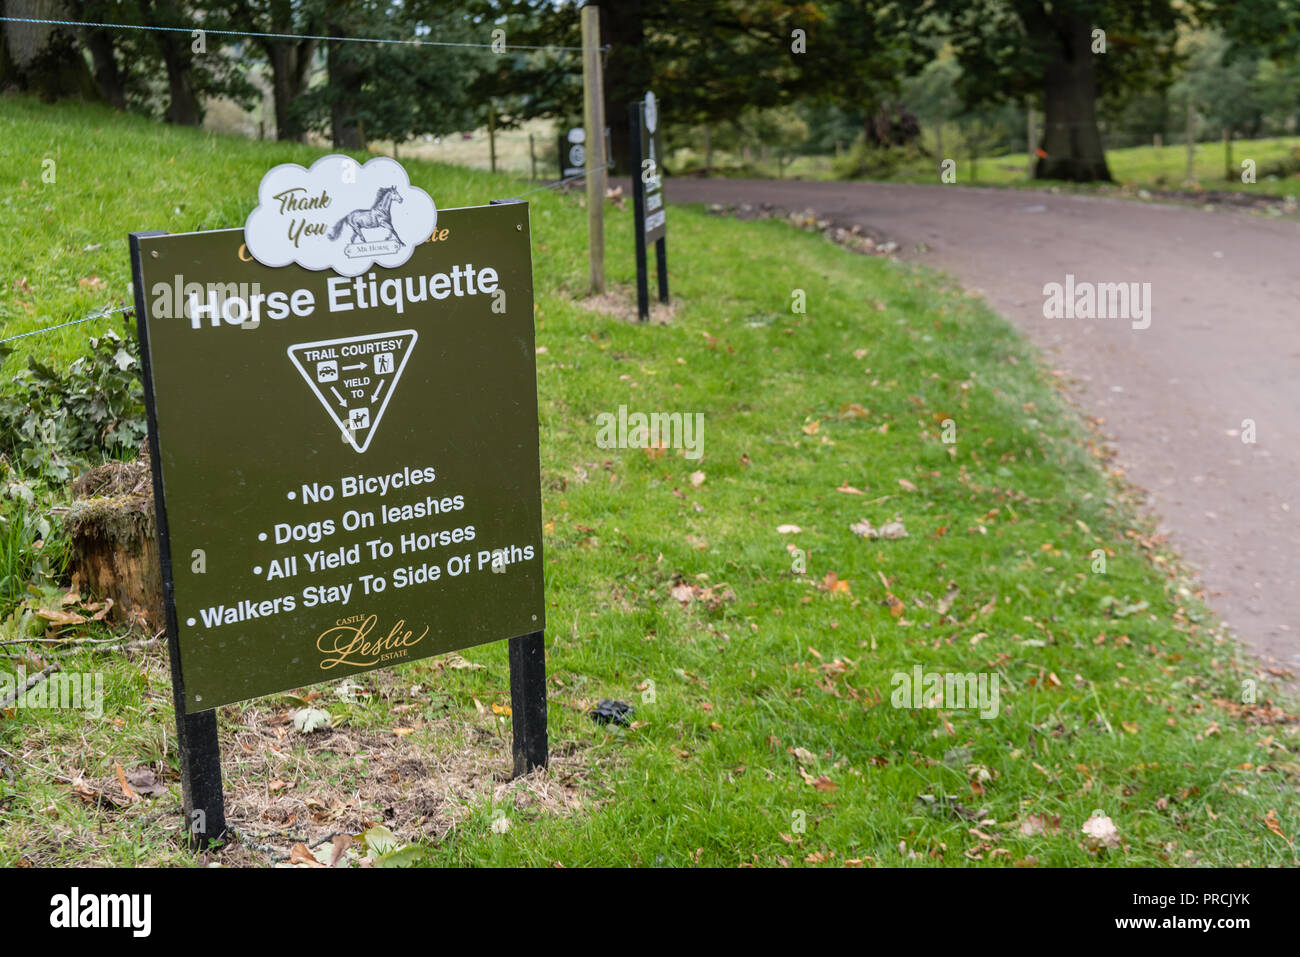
(40, 58)
(108, 75)
(289, 62)
(113, 542)
(1029, 136)
(1071, 138)
(622, 27)
(183, 103)
(345, 84)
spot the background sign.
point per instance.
(349, 464)
(651, 176)
(573, 152)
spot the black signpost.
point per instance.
(309, 527)
(649, 214)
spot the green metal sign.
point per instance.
(349, 464)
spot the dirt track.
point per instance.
(1223, 346)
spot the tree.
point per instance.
(395, 90)
(1068, 52)
(40, 58)
(706, 60)
(289, 60)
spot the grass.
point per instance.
(764, 732)
(1133, 168)
(1142, 167)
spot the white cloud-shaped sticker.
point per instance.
(339, 215)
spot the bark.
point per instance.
(345, 77)
(42, 59)
(622, 27)
(183, 103)
(108, 75)
(113, 542)
(289, 64)
(1070, 136)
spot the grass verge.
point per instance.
(762, 662)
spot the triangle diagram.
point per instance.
(354, 378)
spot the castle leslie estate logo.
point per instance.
(339, 215)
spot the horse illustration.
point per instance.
(375, 217)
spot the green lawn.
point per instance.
(764, 731)
(1133, 168)
(1146, 167)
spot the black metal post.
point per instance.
(202, 800)
(528, 701)
(661, 266)
(527, 684)
(638, 210)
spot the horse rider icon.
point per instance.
(378, 216)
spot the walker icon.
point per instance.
(354, 378)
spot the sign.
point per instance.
(573, 152)
(648, 213)
(339, 215)
(348, 457)
(648, 171)
(371, 367)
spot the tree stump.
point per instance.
(113, 536)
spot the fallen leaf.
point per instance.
(833, 584)
(143, 781)
(788, 529)
(1037, 824)
(301, 855)
(683, 592)
(59, 618)
(307, 720)
(121, 780)
(340, 845)
(1273, 824)
(1101, 830)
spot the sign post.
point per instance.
(649, 214)
(593, 89)
(202, 802)
(344, 443)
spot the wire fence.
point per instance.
(495, 46)
(291, 36)
(120, 309)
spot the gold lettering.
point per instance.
(351, 645)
